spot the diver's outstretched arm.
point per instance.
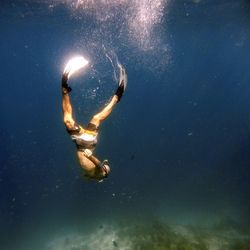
(98, 118)
(66, 105)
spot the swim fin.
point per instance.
(122, 82)
(65, 87)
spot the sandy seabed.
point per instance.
(155, 236)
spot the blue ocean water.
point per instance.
(178, 142)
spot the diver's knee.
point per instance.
(96, 120)
(68, 122)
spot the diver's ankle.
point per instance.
(66, 89)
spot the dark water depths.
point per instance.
(178, 142)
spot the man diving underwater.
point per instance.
(86, 138)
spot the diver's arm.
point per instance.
(100, 168)
(95, 160)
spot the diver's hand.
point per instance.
(87, 152)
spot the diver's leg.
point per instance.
(66, 105)
(99, 117)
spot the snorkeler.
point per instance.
(86, 138)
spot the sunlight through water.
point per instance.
(139, 16)
(75, 64)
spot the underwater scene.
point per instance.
(165, 85)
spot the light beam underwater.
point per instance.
(75, 64)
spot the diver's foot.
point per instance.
(119, 92)
(65, 87)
